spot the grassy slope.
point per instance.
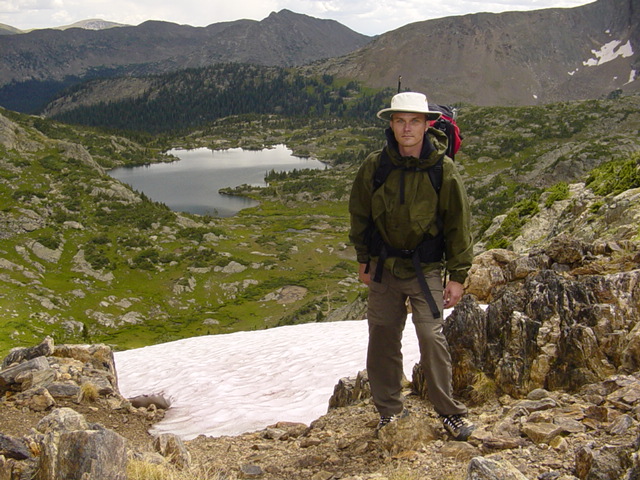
(165, 267)
(167, 279)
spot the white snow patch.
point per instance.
(240, 382)
(608, 52)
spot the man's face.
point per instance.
(409, 128)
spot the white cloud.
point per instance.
(21, 6)
(364, 17)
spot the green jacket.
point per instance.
(403, 226)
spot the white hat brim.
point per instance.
(385, 113)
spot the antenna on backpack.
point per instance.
(399, 82)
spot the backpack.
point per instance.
(447, 124)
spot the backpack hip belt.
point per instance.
(431, 249)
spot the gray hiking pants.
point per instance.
(387, 314)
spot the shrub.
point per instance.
(96, 257)
(89, 392)
(560, 191)
(615, 177)
(146, 259)
(49, 241)
(513, 222)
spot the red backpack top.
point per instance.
(447, 124)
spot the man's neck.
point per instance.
(411, 151)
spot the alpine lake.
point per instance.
(191, 184)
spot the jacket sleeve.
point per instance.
(455, 211)
(360, 206)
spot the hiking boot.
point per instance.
(458, 426)
(386, 420)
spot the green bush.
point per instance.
(97, 257)
(49, 241)
(193, 233)
(512, 224)
(146, 259)
(560, 191)
(615, 177)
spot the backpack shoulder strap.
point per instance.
(383, 170)
(435, 175)
(386, 166)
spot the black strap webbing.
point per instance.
(425, 288)
(415, 259)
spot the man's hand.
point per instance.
(452, 293)
(364, 277)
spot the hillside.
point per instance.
(92, 24)
(38, 64)
(190, 99)
(8, 30)
(85, 258)
(512, 58)
(548, 369)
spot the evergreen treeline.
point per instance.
(191, 98)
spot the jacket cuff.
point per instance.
(459, 277)
(363, 257)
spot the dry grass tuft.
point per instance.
(89, 392)
(139, 470)
(483, 389)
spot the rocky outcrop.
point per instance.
(57, 381)
(71, 448)
(559, 318)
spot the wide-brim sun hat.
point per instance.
(408, 102)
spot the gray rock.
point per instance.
(8, 376)
(145, 401)
(350, 390)
(21, 354)
(12, 447)
(62, 419)
(483, 468)
(73, 455)
(607, 462)
(172, 447)
(408, 433)
(541, 432)
(67, 389)
(250, 470)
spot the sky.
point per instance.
(245, 381)
(363, 16)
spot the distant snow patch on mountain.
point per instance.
(608, 52)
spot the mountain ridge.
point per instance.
(42, 62)
(511, 58)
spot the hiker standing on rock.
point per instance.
(409, 222)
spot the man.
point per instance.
(405, 232)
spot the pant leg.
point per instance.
(435, 358)
(387, 314)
